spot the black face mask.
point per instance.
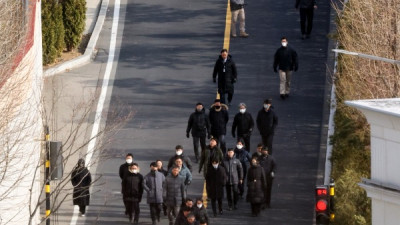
(217, 107)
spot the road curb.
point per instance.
(90, 51)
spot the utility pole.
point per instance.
(47, 174)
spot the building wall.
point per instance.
(21, 130)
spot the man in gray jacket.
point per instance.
(234, 173)
(153, 184)
(237, 9)
(174, 193)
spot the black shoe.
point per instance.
(286, 95)
(308, 36)
(282, 97)
(158, 218)
(154, 223)
(215, 214)
(303, 36)
(234, 207)
(230, 208)
(220, 212)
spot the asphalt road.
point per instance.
(167, 52)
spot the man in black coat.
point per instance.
(306, 15)
(225, 69)
(200, 126)
(244, 124)
(179, 154)
(267, 162)
(266, 124)
(124, 169)
(81, 180)
(132, 191)
(219, 117)
(215, 181)
(286, 58)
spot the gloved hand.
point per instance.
(233, 134)
(214, 80)
(275, 70)
(187, 135)
(234, 80)
(295, 69)
(188, 182)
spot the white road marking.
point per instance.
(102, 97)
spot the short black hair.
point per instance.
(134, 164)
(283, 37)
(230, 149)
(188, 200)
(199, 199)
(202, 221)
(191, 215)
(260, 145)
(174, 167)
(153, 164)
(268, 101)
(179, 147)
(186, 209)
(224, 50)
(129, 154)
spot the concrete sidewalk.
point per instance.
(92, 11)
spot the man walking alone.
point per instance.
(237, 9)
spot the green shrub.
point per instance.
(74, 15)
(52, 31)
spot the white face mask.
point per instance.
(215, 166)
(239, 146)
(129, 161)
(135, 171)
(284, 44)
(179, 152)
(242, 111)
(199, 205)
(266, 106)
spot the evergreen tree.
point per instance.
(52, 31)
(74, 15)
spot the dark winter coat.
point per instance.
(81, 180)
(236, 4)
(268, 164)
(286, 59)
(185, 174)
(267, 121)
(233, 169)
(207, 156)
(256, 184)
(186, 161)
(153, 184)
(132, 187)
(201, 214)
(244, 157)
(244, 123)
(305, 4)
(225, 79)
(123, 170)
(215, 182)
(218, 120)
(163, 171)
(174, 191)
(199, 124)
(194, 223)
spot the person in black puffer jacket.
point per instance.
(200, 126)
(225, 69)
(219, 117)
(266, 124)
(132, 191)
(244, 124)
(286, 58)
(256, 184)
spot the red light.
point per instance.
(321, 205)
(321, 192)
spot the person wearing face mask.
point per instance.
(286, 59)
(256, 184)
(183, 172)
(234, 172)
(212, 152)
(266, 124)
(124, 169)
(219, 117)
(225, 69)
(132, 191)
(267, 162)
(200, 211)
(81, 179)
(179, 154)
(244, 157)
(243, 123)
(200, 126)
(153, 184)
(215, 181)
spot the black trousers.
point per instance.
(267, 141)
(232, 190)
(256, 208)
(155, 210)
(82, 209)
(214, 204)
(246, 140)
(133, 210)
(196, 141)
(306, 20)
(268, 191)
(222, 96)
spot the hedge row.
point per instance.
(63, 23)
